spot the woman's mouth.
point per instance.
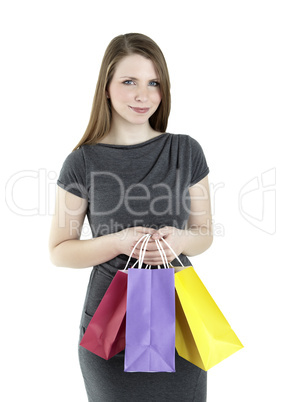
(141, 110)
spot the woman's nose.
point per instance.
(141, 94)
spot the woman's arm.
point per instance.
(193, 240)
(66, 248)
(199, 231)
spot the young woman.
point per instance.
(130, 178)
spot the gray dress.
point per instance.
(135, 185)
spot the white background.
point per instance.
(224, 62)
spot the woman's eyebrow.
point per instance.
(136, 79)
(131, 78)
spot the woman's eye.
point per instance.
(151, 83)
(154, 83)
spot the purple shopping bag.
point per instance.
(150, 321)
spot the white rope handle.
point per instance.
(143, 250)
(161, 252)
(163, 255)
(145, 238)
(142, 238)
(172, 251)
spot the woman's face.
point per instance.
(134, 90)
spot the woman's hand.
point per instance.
(176, 238)
(126, 239)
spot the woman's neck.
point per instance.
(128, 134)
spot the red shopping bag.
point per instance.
(105, 334)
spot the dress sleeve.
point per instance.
(199, 167)
(72, 176)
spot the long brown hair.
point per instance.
(121, 46)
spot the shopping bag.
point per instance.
(150, 321)
(203, 335)
(105, 334)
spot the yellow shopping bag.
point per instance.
(203, 335)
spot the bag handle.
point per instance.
(161, 252)
(163, 255)
(143, 250)
(145, 238)
(142, 238)
(172, 251)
